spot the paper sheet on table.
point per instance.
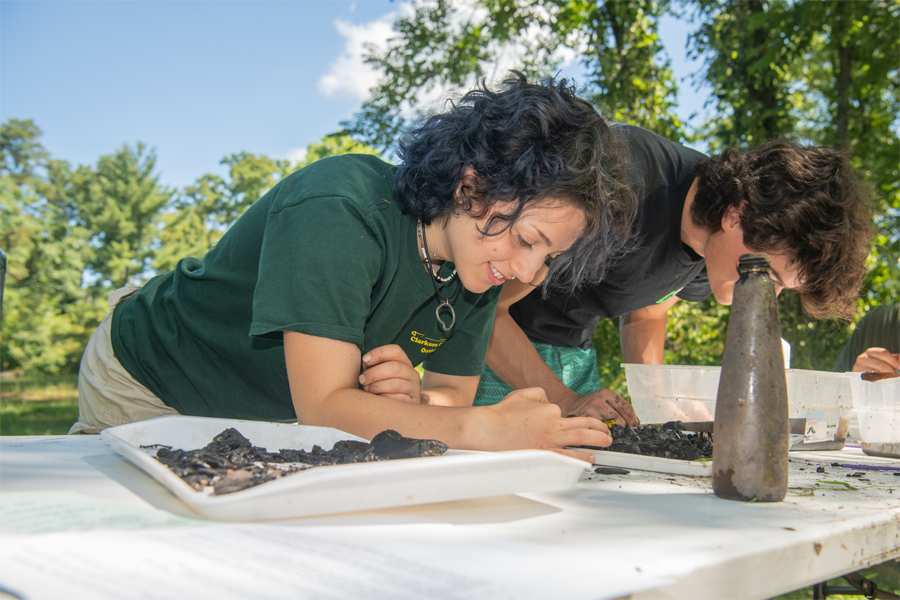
(260, 561)
(44, 512)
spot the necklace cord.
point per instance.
(444, 301)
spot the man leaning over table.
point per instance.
(803, 206)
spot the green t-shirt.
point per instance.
(879, 328)
(326, 252)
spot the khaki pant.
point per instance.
(107, 394)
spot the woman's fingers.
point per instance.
(534, 393)
(527, 420)
(389, 372)
(396, 385)
(391, 352)
(401, 397)
(586, 431)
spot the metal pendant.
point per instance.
(437, 312)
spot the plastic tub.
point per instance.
(819, 402)
(877, 404)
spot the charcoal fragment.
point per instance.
(611, 471)
(230, 463)
(664, 441)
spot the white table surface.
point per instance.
(641, 535)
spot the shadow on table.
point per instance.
(139, 483)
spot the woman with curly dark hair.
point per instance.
(319, 302)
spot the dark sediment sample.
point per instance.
(230, 463)
(665, 441)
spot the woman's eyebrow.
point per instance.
(544, 237)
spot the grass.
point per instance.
(886, 576)
(38, 405)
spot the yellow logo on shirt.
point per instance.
(428, 345)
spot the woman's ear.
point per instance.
(469, 180)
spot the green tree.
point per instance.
(335, 144)
(48, 315)
(444, 46)
(203, 211)
(119, 202)
(824, 73)
(746, 52)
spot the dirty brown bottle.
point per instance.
(751, 429)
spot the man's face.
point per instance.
(723, 250)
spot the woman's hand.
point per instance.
(387, 371)
(525, 419)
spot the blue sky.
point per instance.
(200, 80)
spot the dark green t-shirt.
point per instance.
(326, 252)
(879, 328)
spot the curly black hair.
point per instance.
(527, 143)
(801, 201)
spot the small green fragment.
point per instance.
(702, 459)
(843, 483)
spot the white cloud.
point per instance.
(348, 75)
(296, 155)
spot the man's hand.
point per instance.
(387, 371)
(603, 405)
(877, 359)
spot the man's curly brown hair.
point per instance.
(805, 202)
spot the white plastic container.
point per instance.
(456, 475)
(877, 404)
(819, 402)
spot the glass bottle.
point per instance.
(751, 432)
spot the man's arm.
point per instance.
(512, 357)
(510, 354)
(643, 333)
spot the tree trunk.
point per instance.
(843, 77)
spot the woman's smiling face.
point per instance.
(548, 228)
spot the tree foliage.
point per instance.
(446, 45)
(825, 73)
(73, 235)
(48, 315)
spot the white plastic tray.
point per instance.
(651, 463)
(457, 475)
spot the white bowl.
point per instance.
(878, 405)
